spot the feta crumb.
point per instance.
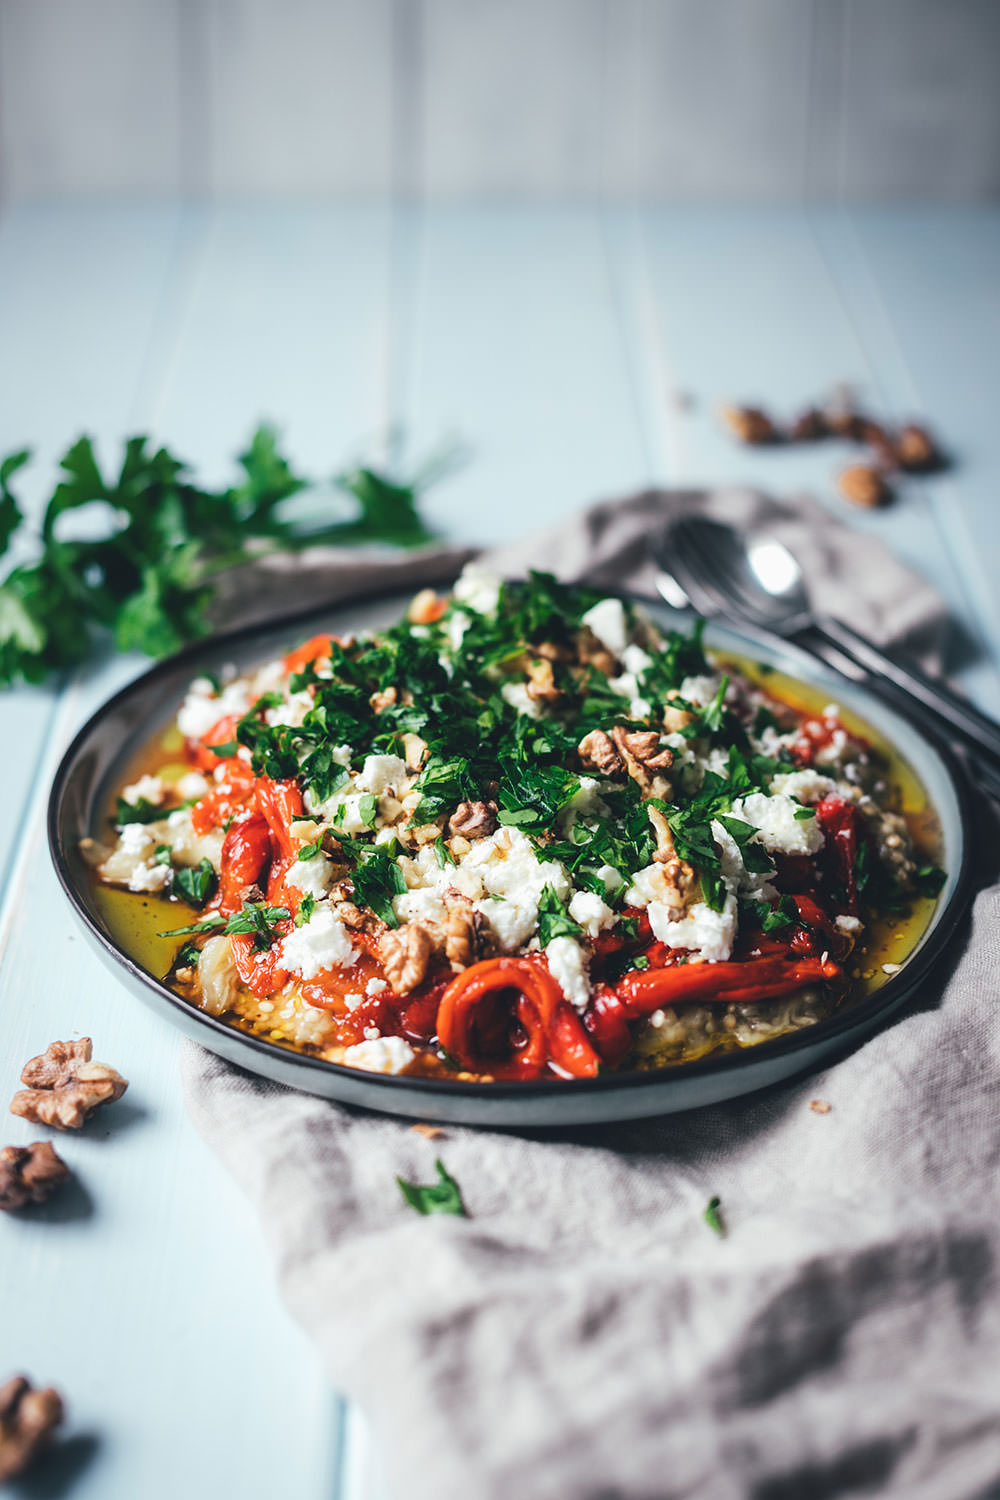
(891, 968)
(701, 690)
(376, 987)
(607, 620)
(708, 934)
(191, 785)
(478, 589)
(380, 773)
(807, 785)
(455, 627)
(386, 1054)
(352, 1001)
(321, 943)
(310, 876)
(202, 710)
(136, 839)
(510, 922)
(636, 660)
(149, 878)
(613, 881)
(593, 914)
(848, 924)
(146, 789)
(568, 966)
(780, 831)
(517, 695)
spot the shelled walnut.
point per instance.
(864, 485)
(63, 1086)
(750, 425)
(28, 1418)
(28, 1174)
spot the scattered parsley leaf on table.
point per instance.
(713, 1217)
(139, 555)
(442, 1197)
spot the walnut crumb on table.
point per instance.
(28, 1418)
(63, 1086)
(820, 1107)
(429, 1132)
(29, 1174)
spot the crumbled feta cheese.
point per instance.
(192, 785)
(375, 987)
(517, 695)
(640, 708)
(420, 906)
(202, 709)
(891, 968)
(455, 627)
(613, 881)
(291, 711)
(510, 922)
(310, 876)
(701, 690)
(627, 685)
(352, 1001)
(380, 773)
(568, 966)
(586, 803)
(780, 831)
(646, 886)
(136, 839)
(146, 789)
(808, 785)
(847, 924)
(636, 660)
(514, 869)
(733, 870)
(607, 620)
(706, 933)
(385, 1054)
(593, 914)
(477, 589)
(321, 943)
(149, 878)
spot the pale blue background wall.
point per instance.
(766, 100)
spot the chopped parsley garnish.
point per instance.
(306, 908)
(195, 883)
(212, 923)
(258, 920)
(139, 811)
(310, 851)
(441, 1197)
(553, 918)
(187, 955)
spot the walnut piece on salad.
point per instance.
(520, 833)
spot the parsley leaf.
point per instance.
(713, 1217)
(441, 1197)
(211, 923)
(553, 918)
(195, 883)
(139, 811)
(259, 920)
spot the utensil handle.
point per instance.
(956, 713)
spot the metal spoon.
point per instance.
(754, 578)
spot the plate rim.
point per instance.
(833, 1030)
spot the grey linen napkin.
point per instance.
(583, 1335)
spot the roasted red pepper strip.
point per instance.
(569, 1045)
(839, 821)
(472, 1026)
(281, 803)
(759, 979)
(312, 650)
(259, 971)
(246, 850)
(607, 1023)
(200, 751)
(226, 796)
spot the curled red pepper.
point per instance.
(738, 983)
(226, 796)
(246, 851)
(258, 970)
(839, 821)
(281, 803)
(312, 650)
(200, 751)
(478, 1024)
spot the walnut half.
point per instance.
(28, 1174)
(645, 758)
(405, 954)
(63, 1086)
(473, 820)
(28, 1418)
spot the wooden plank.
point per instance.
(79, 294)
(299, 97)
(90, 97)
(743, 308)
(286, 318)
(927, 283)
(517, 348)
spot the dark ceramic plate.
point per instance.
(94, 765)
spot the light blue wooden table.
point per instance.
(558, 342)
